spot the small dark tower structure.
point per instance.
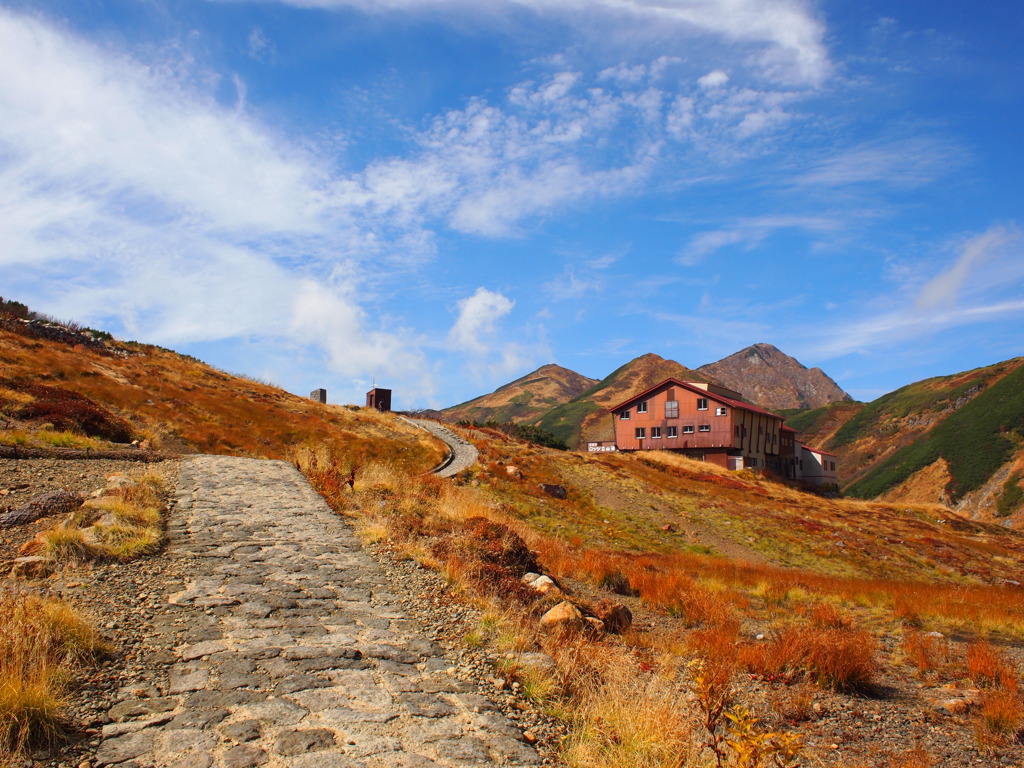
(379, 399)
(320, 395)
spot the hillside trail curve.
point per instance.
(462, 454)
(288, 649)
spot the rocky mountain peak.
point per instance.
(769, 377)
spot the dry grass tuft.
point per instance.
(42, 642)
(610, 729)
(987, 667)
(130, 524)
(928, 653)
(1000, 718)
(65, 544)
(840, 659)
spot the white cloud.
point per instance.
(790, 40)
(477, 321)
(110, 128)
(354, 346)
(129, 196)
(711, 80)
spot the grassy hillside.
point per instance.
(976, 439)
(61, 386)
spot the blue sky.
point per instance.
(445, 194)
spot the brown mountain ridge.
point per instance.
(526, 399)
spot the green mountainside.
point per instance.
(966, 430)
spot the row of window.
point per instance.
(672, 409)
(670, 432)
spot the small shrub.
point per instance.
(608, 731)
(1000, 718)
(918, 757)
(71, 412)
(841, 659)
(792, 703)
(827, 616)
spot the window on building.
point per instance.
(655, 432)
(624, 415)
(641, 433)
(641, 407)
(671, 431)
(720, 411)
(702, 403)
(671, 409)
(688, 429)
(705, 428)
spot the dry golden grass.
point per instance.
(632, 719)
(42, 644)
(122, 526)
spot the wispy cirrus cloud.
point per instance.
(903, 163)
(787, 38)
(750, 233)
(982, 284)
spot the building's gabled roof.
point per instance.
(696, 390)
(788, 429)
(816, 450)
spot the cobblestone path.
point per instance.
(288, 649)
(464, 453)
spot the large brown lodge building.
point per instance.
(714, 424)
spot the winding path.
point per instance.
(462, 453)
(289, 649)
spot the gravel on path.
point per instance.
(286, 646)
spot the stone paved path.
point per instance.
(289, 649)
(464, 453)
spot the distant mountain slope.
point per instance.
(586, 418)
(526, 399)
(772, 379)
(950, 439)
